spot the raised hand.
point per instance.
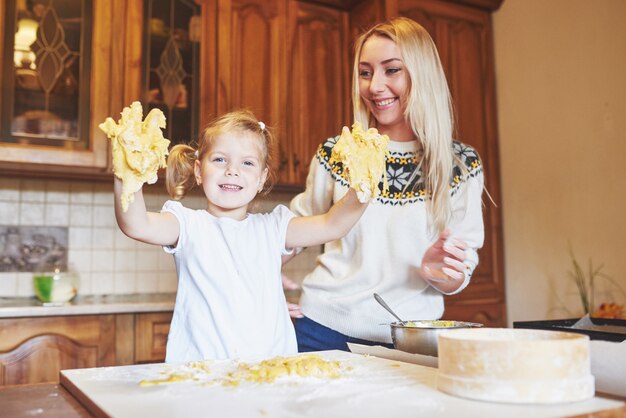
(444, 260)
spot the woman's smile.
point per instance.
(385, 103)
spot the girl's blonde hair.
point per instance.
(428, 108)
(180, 176)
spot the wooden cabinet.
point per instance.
(464, 38)
(286, 61)
(317, 84)
(111, 59)
(115, 80)
(151, 331)
(33, 350)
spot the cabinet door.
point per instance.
(34, 350)
(151, 330)
(171, 59)
(464, 39)
(51, 109)
(251, 56)
(317, 83)
(251, 59)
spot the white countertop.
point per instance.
(368, 387)
(89, 305)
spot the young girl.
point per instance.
(230, 302)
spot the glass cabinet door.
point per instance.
(171, 62)
(45, 98)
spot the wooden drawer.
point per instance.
(151, 331)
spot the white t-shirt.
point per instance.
(230, 302)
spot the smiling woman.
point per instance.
(419, 239)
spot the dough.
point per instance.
(139, 148)
(266, 371)
(363, 155)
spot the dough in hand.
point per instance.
(363, 155)
(139, 148)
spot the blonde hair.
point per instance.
(180, 176)
(428, 108)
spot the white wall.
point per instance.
(561, 89)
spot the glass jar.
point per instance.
(53, 284)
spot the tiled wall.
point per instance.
(106, 260)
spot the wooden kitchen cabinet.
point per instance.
(116, 79)
(295, 73)
(151, 330)
(464, 38)
(112, 64)
(318, 87)
(286, 61)
(35, 349)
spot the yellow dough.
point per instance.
(363, 155)
(264, 372)
(139, 148)
(304, 365)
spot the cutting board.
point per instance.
(369, 387)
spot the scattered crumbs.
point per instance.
(191, 371)
(394, 365)
(263, 412)
(175, 377)
(265, 371)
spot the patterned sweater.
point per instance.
(383, 252)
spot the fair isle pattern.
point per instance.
(400, 165)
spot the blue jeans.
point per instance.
(312, 336)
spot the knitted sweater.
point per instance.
(383, 252)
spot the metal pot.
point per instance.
(420, 337)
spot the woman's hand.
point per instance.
(294, 309)
(443, 263)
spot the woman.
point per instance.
(415, 243)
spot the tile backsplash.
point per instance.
(106, 261)
(33, 248)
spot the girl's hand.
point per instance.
(444, 260)
(365, 195)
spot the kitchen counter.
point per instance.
(17, 307)
(54, 401)
(88, 305)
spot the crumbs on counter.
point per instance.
(266, 371)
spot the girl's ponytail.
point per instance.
(180, 176)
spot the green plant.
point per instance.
(585, 281)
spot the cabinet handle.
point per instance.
(296, 161)
(283, 163)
